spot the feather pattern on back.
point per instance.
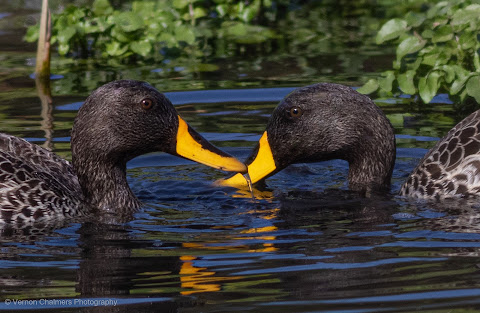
(452, 167)
(35, 183)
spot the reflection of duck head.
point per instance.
(119, 121)
(322, 122)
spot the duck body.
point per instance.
(36, 184)
(118, 122)
(329, 121)
(452, 167)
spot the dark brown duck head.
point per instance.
(124, 119)
(323, 122)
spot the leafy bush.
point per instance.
(151, 29)
(85, 31)
(437, 51)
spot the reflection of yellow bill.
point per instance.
(202, 279)
(196, 279)
(257, 194)
(201, 151)
(262, 166)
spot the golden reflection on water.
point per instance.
(254, 193)
(196, 279)
(201, 279)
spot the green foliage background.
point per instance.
(437, 42)
(149, 27)
(437, 51)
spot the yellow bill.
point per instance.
(261, 167)
(192, 146)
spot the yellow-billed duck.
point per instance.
(119, 121)
(330, 121)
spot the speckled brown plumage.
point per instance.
(452, 167)
(35, 184)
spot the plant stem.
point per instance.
(42, 68)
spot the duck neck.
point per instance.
(371, 164)
(104, 183)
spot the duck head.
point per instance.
(124, 119)
(323, 122)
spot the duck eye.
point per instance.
(294, 112)
(147, 104)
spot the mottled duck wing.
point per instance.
(35, 184)
(452, 167)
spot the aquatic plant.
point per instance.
(437, 51)
(152, 29)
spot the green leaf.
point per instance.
(476, 60)
(463, 95)
(77, 15)
(64, 35)
(91, 27)
(185, 33)
(221, 10)
(433, 11)
(468, 40)
(415, 19)
(405, 82)
(248, 14)
(460, 71)
(473, 87)
(32, 33)
(386, 81)
(443, 33)
(458, 85)
(449, 73)
(416, 64)
(409, 45)
(370, 86)
(63, 48)
(144, 7)
(102, 7)
(121, 36)
(430, 55)
(180, 4)
(235, 29)
(168, 39)
(428, 87)
(115, 49)
(391, 30)
(462, 76)
(427, 33)
(142, 48)
(199, 12)
(467, 15)
(439, 21)
(129, 21)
